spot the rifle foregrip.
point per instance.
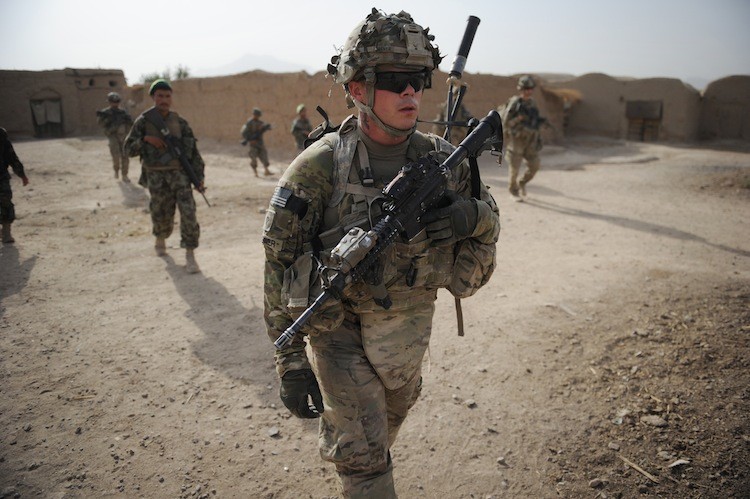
(459, 63)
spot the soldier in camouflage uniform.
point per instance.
(165, 178)
(301, 127)
(458, 133)
(521, 123)
(8, 158)
(116, 124)
(364, 373)
(252, 133)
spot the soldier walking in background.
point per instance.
(252, 134)
(368, 359)
(116, 123)
(521, 123)
(301, 127)
(167, 182)
(8, 158)
(458, 133)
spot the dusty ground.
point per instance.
(607, 357)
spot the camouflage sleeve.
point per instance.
(285, 233)
(190, 145)
(134, 141)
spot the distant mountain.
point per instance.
(251, 62)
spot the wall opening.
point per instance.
(644, 119)
(46, 114)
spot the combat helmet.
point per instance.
(384, 39)
(526, 82)
(113, 97)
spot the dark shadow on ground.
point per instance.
(639, 225)
(133, 195)
(14, 274)
(235, 340)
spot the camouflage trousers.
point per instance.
(257, 152)
(520, 148)
(7, 210)
(120, 158)
(362, 415)
(170, 189)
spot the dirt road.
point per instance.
(607, 357)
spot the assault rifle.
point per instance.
(418, 188)
(174, 149)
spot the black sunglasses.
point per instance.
(398, 81)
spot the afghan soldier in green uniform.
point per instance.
(252, 134)
(364, 373)
(521, 123)
(116, 123)
(165, 178)
(301, 127)
(8, 158)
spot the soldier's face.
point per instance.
(526, 93)
(162, 100)
(397, 109)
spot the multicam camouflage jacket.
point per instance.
(521, 116)
(114, 119)
(317, 201)
(159, 159)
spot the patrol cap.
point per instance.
(525, 82)
(160, 84)
(300, 108)
(257, 111)
(113, 97)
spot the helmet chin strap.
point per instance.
(367, 109)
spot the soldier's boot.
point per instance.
(7, 237)
(522, 189)
(514, 194)
(268, 172)
(117, 173)
(160, 247)
(125, 178)
(255, 171)
(191, 266)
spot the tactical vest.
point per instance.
(156, 159)
(412, 271)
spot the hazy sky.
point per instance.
(694, 40)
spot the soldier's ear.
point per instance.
(358, 90)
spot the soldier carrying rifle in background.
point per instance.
(521, 122)
(252, 134)
(116, 123)
(169, 172)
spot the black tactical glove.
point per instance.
(453, 222)
(295, 388)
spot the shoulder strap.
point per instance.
(344, 144)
